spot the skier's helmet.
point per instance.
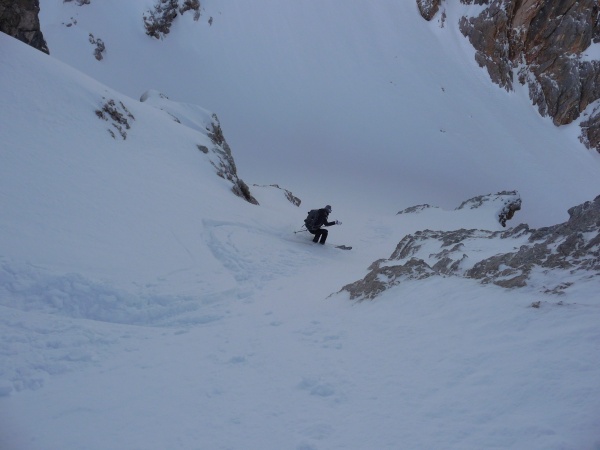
(328, 209)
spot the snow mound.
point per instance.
(189, 115)
(502, 205)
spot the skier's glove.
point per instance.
(337, 222)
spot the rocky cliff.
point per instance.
(541, 43)
(19, 18)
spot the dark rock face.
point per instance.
(544, 39)
(19, 18)
(511, 259)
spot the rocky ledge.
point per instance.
(549, 260)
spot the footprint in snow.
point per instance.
(315, 387)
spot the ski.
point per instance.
(343, 247)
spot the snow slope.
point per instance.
(144, 306)
(378, 108)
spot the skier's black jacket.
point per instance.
(322, 220)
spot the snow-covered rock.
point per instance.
(540, 259)
(207, 123)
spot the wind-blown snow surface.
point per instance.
(364, 99)
(144, 306)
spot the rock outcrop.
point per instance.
(212, 143)
(117, 115)
(290, 197)
(158, 21)
(541, 259)
(504, 204)
(542, 42)
(428, 8)
(509, 202)
(99, 49)
(19, 18)
(226, 167)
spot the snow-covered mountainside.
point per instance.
(379, 109)
(70, 148)
(151, 299)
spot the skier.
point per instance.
(316, 219)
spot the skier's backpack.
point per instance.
(311, 220)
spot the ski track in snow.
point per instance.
(274, 360)
(38, 306)
(242, 356)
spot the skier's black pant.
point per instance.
(320, 233)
